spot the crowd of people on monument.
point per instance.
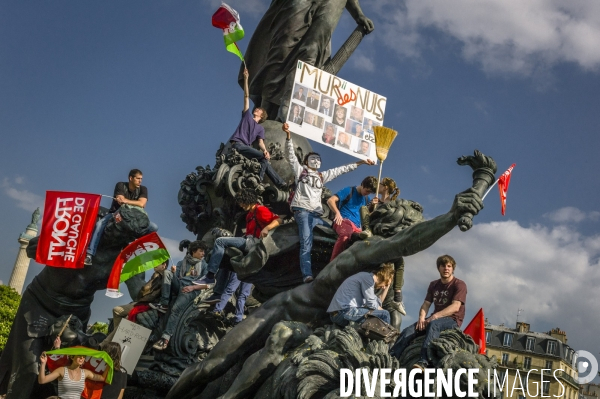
(173, 288)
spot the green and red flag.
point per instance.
(143, 254)
(228, 19)
(95, 361)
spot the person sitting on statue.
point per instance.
(347, 219)
(185, 291)
(306, 201)
(259, 221)
(449, 296)
(130, 193)
(233, 285)
(356, 296)
(193, 265)
(248, 131)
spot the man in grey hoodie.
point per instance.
(306, 201)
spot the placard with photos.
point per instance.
(335, 112)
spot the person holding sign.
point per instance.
(248, 131)
(347, 217)
(306, 199)
(130, 193)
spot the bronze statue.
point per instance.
(292, 30)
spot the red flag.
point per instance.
(503, 183)
(141, 255)
(67, 227)
(476, 330)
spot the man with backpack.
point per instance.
(346, 219)
(129, 193)
(306, 199)
(259, 221)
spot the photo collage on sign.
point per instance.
(325, 116)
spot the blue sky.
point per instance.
(89, 90)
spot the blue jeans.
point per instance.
(232, 285)
(345, 316)
(306, 223)
(181, 303)
(432, 331)
(99, 230)
(265, 165)
(219, 250)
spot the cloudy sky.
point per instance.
(89, 90)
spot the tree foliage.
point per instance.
(9, 300)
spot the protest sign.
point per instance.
(67, 226)
(132, 338)
(335, 112)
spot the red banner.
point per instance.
(476, 329)
(67, 227)
(503, 183)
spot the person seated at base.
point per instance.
(449, 296)
(193, 265)
(185, 291)
(356, 296)
(259, 221)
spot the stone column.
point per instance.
(17, 278)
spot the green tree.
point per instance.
(9, 300)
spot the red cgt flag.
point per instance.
(503, 183)
(67, 227)
(476, 330)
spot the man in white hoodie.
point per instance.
(306, 202)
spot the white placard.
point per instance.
(132, 338)
(335, 112)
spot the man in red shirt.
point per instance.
(259, 221)
(449, 296)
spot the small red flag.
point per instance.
(503, 183)
(67, 227)
(476, 330)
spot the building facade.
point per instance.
(523, 355)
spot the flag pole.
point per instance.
(107, 196)
(489, 189)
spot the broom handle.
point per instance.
(378, 180)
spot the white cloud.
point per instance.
(362, 62)
(503, 36)
(25, 199)
(571, 214)
(552, 273)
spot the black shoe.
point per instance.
(88, 260)
(214, 298)
(308, 279)
(159, 307)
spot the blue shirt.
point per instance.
(248, 130)
(351, 210)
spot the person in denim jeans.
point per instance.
(449, 296)
(306, 200)
(357, 296)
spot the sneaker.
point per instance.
(214, 298)
(209, 282)
(88, 260)
(161, 344)
(308, 279)
(421, 364)
(159, 307)
(363, 235)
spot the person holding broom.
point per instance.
(306, 199)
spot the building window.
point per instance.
(508, 337)
(548, 364)
(551, 349)
(546, 388)
(530, 344)
(488, 337)
(504, 359)
(527, 363)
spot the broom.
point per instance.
(384, 137)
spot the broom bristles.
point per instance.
(384, 137)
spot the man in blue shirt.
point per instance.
(248, 131)
(346, 219)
